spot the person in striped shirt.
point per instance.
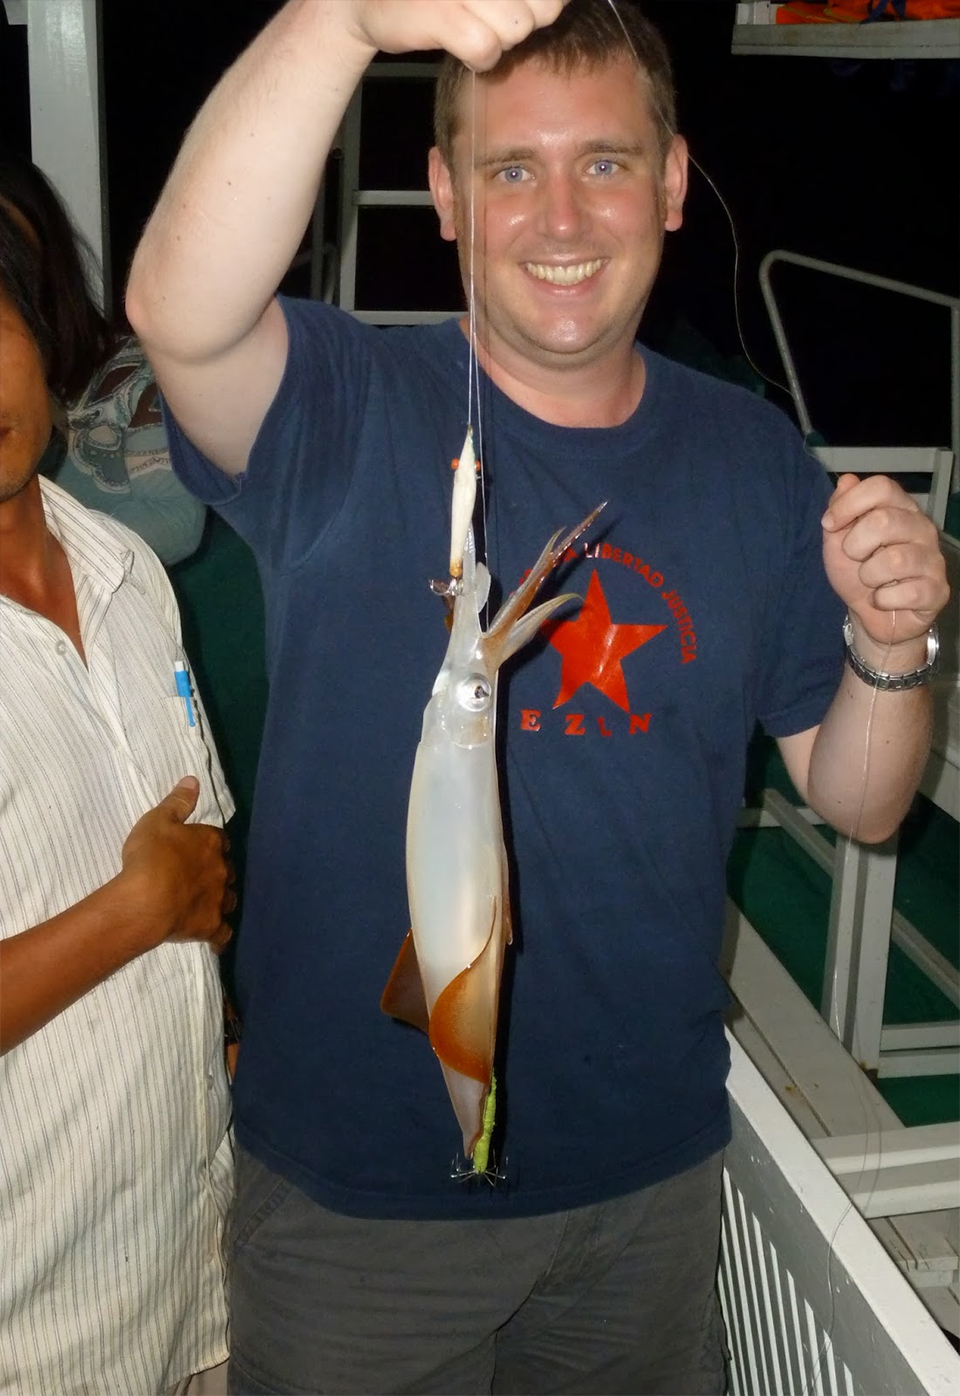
(115, 886)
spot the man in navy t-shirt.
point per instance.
(714, 589)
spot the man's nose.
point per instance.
(562, 208)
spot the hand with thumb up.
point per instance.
(178, 873)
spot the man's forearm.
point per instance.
(243, 188)
(869, 752)
(48, 967)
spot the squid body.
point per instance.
(446, 979)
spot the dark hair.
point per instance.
(79, 337)
(588, 34)
(21, 280)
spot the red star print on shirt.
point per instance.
(592, 647)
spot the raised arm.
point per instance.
(860, 768)
(242, 191)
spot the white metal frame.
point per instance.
(856, 960)
(353, 198)
(897, 1170)
(862, 918)
(941, 779)
(938, 461)
(882, 1166)
(63, 55)
(811, 1301)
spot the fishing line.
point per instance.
(473, 362)
(774, 382)
(867, 1108)
(851, 837)
(667, 126)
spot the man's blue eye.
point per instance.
(604, 166)
(513, 174)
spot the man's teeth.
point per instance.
(564, 276)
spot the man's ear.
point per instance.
(441, 191)
(674, 183)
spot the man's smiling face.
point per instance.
(572, 196)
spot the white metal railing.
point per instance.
(862, 918)
(896, 1171)
(811, 1300)
(353, 198)
(66, 116)
(938, 462)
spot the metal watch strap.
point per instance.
(892, 683)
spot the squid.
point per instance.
(446, 979)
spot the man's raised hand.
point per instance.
(477, 32)
(882, 556)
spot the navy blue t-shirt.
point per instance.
(623, 736)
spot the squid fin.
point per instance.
(403, 997)
(463, 1024)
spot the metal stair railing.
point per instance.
(938, 462)
(862, 918)
(353, 198)
(811, 1301)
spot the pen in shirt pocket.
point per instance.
(182, 680)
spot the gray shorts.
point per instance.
(608, 1300)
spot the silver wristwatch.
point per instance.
(892, 683)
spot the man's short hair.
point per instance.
(586, 34)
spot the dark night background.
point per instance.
(856, 163)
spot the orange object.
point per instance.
(859, 11)
(801, 12)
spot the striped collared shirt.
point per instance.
(115, 1157)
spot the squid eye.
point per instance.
(474, 693)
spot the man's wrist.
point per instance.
(893, 667)
(133, 912)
